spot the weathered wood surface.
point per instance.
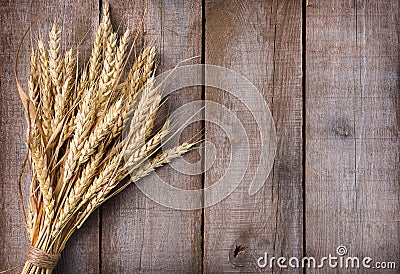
(262, 41)
(351, 150)
(352, 110)
(139, 235)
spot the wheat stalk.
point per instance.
(40, 168)
(33, 82)
(46, 94)
(77, 153)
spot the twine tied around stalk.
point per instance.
(41, 258)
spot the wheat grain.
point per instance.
(95, 190)
(108, 74)
(78, 156)
(42, 175)
(95, 60)
(121, 52)
(100, 132)
(106, 22)
(146, 106)
(55, 61)
(62, 95)
(155, 141)
(46, 95)
(83, 122)
(33, 82)
(78, 190)
(140, 71)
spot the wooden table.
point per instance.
(329, 71)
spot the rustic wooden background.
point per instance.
(329, 70)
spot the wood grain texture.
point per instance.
(262, 41)
(81, 254)
(139, 235)
(13, 239)
(352, 150)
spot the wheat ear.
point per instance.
(46, 94)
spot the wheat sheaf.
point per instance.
(78, 158)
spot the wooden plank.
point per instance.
(139, 235)
(81, 255)
(352, 89)
(262, 41)
(13, 239)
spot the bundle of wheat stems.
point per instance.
(77, 155)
